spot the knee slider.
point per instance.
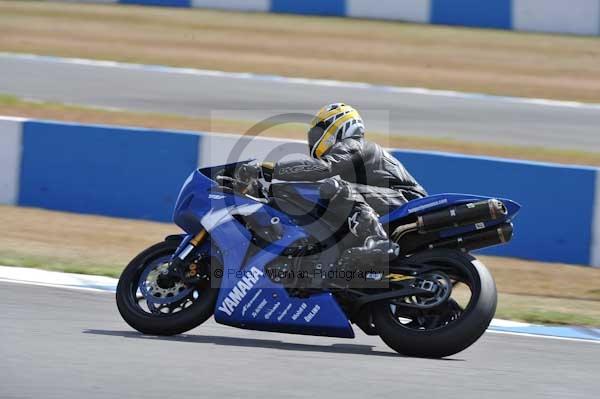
(330, 189)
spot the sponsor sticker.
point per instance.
(239, 292)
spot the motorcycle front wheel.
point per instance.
(155, 306)
(450, 327)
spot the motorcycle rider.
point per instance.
(355, 172)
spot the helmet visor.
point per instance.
(314, 136)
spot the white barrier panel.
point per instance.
(11, 132)
(403, 10)
(84, 1)
(218, 149)
(241, 5)
(580, 17)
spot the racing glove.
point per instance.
(255, 170)
(267, 170)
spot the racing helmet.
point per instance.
(332, 124)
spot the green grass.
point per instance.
(59, 265)
(539, 316)
(10, 100)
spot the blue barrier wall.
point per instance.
(558, 201)
(137, 173)
(310, 7)
(163, 3)
(572, 16)
(102, 170)
(488, 13)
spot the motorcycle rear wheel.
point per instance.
(448, 328)
(193, 308)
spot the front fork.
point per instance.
(179, 262)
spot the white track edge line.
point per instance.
(589, 341)
(50, 285)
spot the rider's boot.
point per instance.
(377, 248)
(375, 253)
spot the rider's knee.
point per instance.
(333, 188)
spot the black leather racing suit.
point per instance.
(370, 179)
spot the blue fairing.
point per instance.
(248, 298)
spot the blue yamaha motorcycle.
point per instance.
(267, 259)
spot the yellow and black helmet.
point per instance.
(333, 123)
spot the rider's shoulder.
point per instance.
(350, 143)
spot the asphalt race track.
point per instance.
(61, 343)
(472, 118)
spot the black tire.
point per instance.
(458, 334)
(169, 324)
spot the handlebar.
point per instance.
(252, 187)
